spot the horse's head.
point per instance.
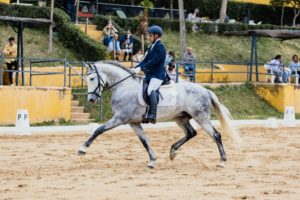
(95, 82)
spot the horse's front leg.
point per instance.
(112, 123)
(138, 129)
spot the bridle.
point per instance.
(98, 88)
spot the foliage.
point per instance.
(68, 33)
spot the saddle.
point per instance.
(167, 94)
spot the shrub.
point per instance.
(68, 33)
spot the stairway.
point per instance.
(78, 115)
(92, 32)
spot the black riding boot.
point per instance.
(153, 98)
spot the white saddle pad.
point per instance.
(167, 95)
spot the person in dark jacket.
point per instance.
(153, 66)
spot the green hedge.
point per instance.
(68, 33)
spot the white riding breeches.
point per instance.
(154, 85)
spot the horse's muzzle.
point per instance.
(93, 101)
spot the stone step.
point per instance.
(80, 116)
(82, 121)
(74, 103)
(77, 109)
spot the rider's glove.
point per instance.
(136, 70)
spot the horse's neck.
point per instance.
(114, 75)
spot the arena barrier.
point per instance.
(43, 103)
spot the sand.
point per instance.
(45, 166)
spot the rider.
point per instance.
(153, 67)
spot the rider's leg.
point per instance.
(153, 98)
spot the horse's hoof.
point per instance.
(81, 153)
(82, 150)
(221, 164)
(150, 164)
(173, 154)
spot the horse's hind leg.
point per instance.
(215, 135)
(112, 123)
(143, 138)
(183, 122)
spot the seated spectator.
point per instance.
(127, 45)
(114, 48)
(171, 71)
(169, 58)
(138, 57)
(10, 53)
(109, 30)
(192, 17)
(295, 65)
(277, 68)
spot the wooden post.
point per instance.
(77, 10)
(86, 25)
(51, 28)
(182, 28)
(143, 44)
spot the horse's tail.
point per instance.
(225, 118)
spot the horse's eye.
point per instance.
(92, 79)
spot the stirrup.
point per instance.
(151, 119)
(145, 120)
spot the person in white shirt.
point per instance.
(276, 68)
(114, 48)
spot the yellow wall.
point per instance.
(53, 80)
(265, 2)
(43, 104)
(280, 96)
(5, 1)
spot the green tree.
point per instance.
(146, 4)
(282, 4)
(295, 4)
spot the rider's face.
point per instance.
(151, 37)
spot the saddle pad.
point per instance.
(167, 95)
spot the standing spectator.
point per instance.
(138, 57)
(190, 64)
(109, 30)
(10, 53)
(276, 67)
(71, 9)
(114, 48)
(127, 45)
(295, 66)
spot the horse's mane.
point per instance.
(117, 64)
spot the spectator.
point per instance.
(295, 66)
(138, 57)
(276, 67)
(71, 9)
(109, 30)
(127, 45)
(192, 16)
(190, 59)
(10, 52)
(171, 71)
(114, 48)
(170, 58)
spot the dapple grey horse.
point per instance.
(193, 102)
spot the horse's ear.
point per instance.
(89, 67)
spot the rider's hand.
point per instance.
(136, 70)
